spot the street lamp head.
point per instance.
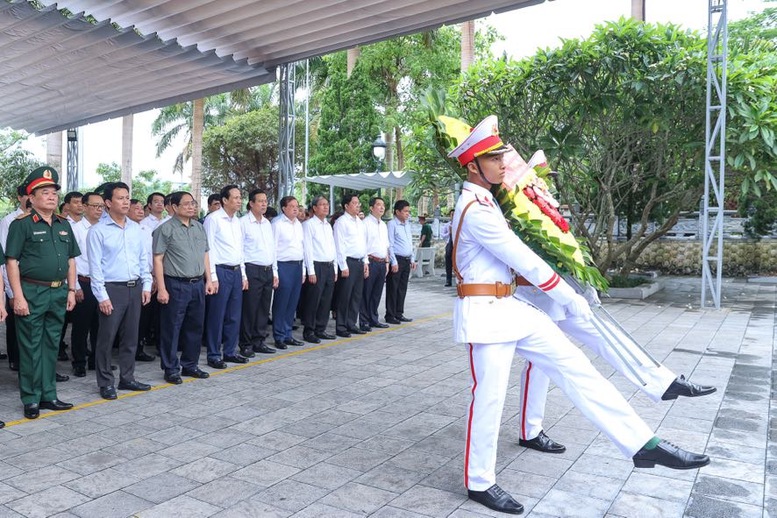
(379, 148)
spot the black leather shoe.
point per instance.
(217, 364)
(447, 284)
(682, 387)
(144, 357)
(55, 404)
(669, 455)
(247, 352)
(366, 329)
(404, 319)
(264, 349)
(62, 377)
(294, 342)
(344, 334)
(542, 443)
(14, 366)
(108, 392)
(31, 410)
(497, 499)
(357, 331)
(79, 371)
(62, 355)
(280, 345)
(134, 385)
(326, 336)
(2, 425)
(393, 321)
(235, 359)
(175, 379)
(3, 356)
(195, 373)
(309, 337)
(380, 325)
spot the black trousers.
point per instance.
(449, 262)
(373, 289)
(396, 289)
(255, 314)
(148, 328)
(181, 323)
(317, 298)
(86, 322)
(11, 345)
(349, 298)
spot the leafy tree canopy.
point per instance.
(15, 163)
(143, 183)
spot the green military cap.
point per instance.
(43, 176)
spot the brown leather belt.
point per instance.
(48, 284)
(376, 259)
(522, 281)
(497, 289)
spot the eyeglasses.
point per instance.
(188, 204)
(96, 205)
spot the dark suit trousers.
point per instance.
(181, 322)
(148, 330)
(284, 304)
(449, 262)
(373, 289)
(86, 323)
(256, 305)
(317, 298)
(11, 345)
(222, 326)
(396, 289)
(122, 322)
(349, 298)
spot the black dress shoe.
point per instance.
(134, 385)
(543, 443)
(344, 334)
(62, 377)
(247, 352)
(404, 319)
(217, 364)
(380, 325)
(326, 336)
(3, 356)
(682, 387)
(79, 371)
(264, 349)
(366, 329)
(195, 373)
(31, 410)
(294, 342)
(144, 357)
(55, 404)
(497, 499)
(357, 331)
(175, 379)
(62, 355)
(280, 345)
(311, 338)
(235, 359)
(108, 392)
(2, 425)
(447, 284)
(393, 321)
(669, 455)
(14, 366)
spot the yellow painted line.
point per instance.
(238, 367)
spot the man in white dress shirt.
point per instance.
(351, 247)
(156, 208)
(11, 345)
(291, 272)
(379, 259)
(227, 272)
(262, 274)
(320, 257)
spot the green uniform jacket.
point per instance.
(42, 250)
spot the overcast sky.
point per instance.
(525, 30)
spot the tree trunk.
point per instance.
(54, 151)
(467, 44)
(638, 10)
(390, 150)
(126, 149)
(351, 56)
(198, 123)
(400, 149)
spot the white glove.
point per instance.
(592, 296)
(579, 307)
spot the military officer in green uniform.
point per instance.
(3, 313)
(40, 254)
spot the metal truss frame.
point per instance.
(287, 120)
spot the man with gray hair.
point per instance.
(319, 250)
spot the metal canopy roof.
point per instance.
(58, 72)
(364, 181)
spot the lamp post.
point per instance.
(379, 152)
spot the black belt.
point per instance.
(260, 266)
(360, 259)
(324, 263)
(232, 267)
(48, 284)
(290, 262)
(128, 284)
(405, 257)
(376, 259)
(190, 280)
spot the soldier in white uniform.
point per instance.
(495, 325)
(660, 383)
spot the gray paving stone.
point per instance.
(561, 503)
(91, 462)
(162, 487)
(40, 479)
(205, 469)
(265, 473)
(318, 510)
(391, 478)
(253, 508)
(8, 493)
(705, 507)
(101, 483)
(225, 491)
(291, 495)
(636, 506)
(358, 498)
(114, 505)
(50, 501)
(730, 489)
(243, 454)
(359, 459)
(429, 501)
(180, 506)
(300, 456)
(327, 476)
(596, 486)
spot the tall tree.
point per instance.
(15, 163)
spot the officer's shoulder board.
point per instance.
(483, 200)
(61, 217)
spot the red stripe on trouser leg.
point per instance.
(469, 421)
(525, 401)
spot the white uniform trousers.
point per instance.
(548, 349)
(534, 382)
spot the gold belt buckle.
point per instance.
(56, 284)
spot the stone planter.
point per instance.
(637, 292)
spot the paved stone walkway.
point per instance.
(374, 425)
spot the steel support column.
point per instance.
(72, 160)
(715, 153)
(286, 170)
